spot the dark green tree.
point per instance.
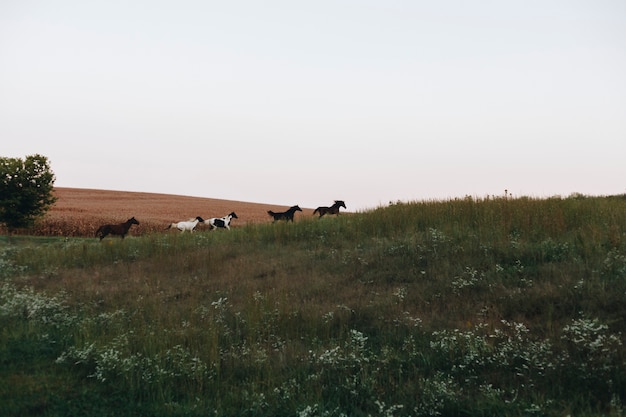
(25, 190)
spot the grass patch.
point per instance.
(464, 307)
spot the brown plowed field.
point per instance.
(79, 212)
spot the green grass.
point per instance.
(468, 307)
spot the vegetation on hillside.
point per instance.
(25, 190)
(80, 212)
(467, 307)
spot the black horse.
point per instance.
(115, 229)
(334, 209)
(285, 215)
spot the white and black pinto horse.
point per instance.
(186, 225)
(221, 222)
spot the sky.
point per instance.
(294, 102)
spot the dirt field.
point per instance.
(79, 212)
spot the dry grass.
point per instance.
(79, 212)
(465, 307)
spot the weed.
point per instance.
(461, 307)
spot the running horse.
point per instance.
(221, 222)
(285, 215)
(186, 225)
(116, 229)
(334, 209)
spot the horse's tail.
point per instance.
(169, 226)
(316, 210)
(99, 231)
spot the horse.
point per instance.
(334, 209)
(116, 229)
(186, 225)
(223, 222)
(285, 215)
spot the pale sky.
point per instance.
(305, 102)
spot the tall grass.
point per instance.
(464, 307)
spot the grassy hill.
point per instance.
(468, 307)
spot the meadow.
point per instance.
(465, 307)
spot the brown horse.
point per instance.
(115, 229)
(334, 209)
(285, 215)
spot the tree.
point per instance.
(25, 190)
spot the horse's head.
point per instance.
(340, 203)
(233, 215)
(296, 208)
(132, 220)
